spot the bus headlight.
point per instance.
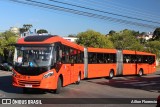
(48, 74)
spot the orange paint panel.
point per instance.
(128, 52)
(129, 69)
(35, 81)
(70, 72)
(100, 70)
(144, 67)
(101, 50)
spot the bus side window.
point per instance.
(63, 54)
(151, 59)
(112, 58)
(89, 58)
(75, 52)
(133, 58)
(79, 60)
(73, 55)
(106, 58)
(58, 52)
(100, 58)
(92, 58)
(127, 58)
(145, 58)
(67, 55)
(82, 57)
(139, 59)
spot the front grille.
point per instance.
(33, 83)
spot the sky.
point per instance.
(62, 23)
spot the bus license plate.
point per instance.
(28, 85)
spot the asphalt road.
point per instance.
(147, 86)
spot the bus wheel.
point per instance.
(111, 74)
(140, 73)
(59, 86)
(79, 79)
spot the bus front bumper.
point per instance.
(35, 82)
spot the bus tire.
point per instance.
(59, 86)
(79, 79)
(140, 73)
(111, 74)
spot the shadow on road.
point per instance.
(151, 84)
(6, 86)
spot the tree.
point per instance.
(72, 35)
(95, 39)
(125, 39)
(135, 33)
(27, 27)
(41, 31)
(153, 47)
(156, 34)
(6, 39)
(111, 32)
(22, 30)
(143, 33)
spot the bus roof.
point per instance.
(46, 39)
(101, 50)
(136, 52)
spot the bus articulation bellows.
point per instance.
(51, 62)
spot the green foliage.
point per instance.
(72, 35)
(95, 39)
(126, 40)
(40, 31)
(25, 28)
(2, 45)
(22, 30)
(6, 39)
(112, 32)
(156, 34)
(143, 33)
(153, 47)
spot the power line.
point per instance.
(103, 11)
(134, 9)
(49, 6)
(119, 9)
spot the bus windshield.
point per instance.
(33, 56)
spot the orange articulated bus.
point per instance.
(51, 62)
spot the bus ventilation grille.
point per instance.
(33, 83)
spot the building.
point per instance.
(14, 30)
(72, 39)
(145, 36)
